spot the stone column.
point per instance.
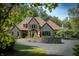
(29, 35)
(38, 33)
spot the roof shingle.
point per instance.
(53, 25)
(27, 20)
(40, 21)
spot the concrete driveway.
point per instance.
(64, 49)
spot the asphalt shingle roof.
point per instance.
(53, 25)
(39, 20)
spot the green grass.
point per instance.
(23, 50)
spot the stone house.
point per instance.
(34, 26)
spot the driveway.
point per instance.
(53, 49)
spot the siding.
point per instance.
(33, 21)
(47, 28)
(16, 32)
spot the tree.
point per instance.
(75, 23)
(74, 20)
(44, 15)
(56, 20)
(74, 17)
(11, 14)
(6, 39)
(66, 23)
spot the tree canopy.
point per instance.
(14, 13)
(74, 17)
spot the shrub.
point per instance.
(76, 50)
(76, 34)
(65, 33)
(59, 34)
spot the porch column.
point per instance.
(39, 33)
(29, 34)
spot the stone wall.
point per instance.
(45, 40)
(50, 40)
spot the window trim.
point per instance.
(46, 33)
(33, 26)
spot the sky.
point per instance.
(62, 10)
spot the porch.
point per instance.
(30, 34)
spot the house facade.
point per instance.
(35, 27)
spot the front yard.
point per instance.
(66, 48)
(24, 50)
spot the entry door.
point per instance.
(24, 34)
(34, 34)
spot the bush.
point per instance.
(68, 33)
(76, 34)
(76, 50)
(64, 33)
(6, 42)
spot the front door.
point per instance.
(24, 34)
(34, 34)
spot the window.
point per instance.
(25, 25)
(33, 26)
(17, 33)
(46, 33)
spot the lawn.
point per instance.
(23, 50)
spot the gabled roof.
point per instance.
(40, 21)
(27, 20)
(20, 25)
(53, 25)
